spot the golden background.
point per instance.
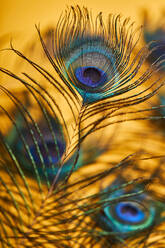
(20, 16)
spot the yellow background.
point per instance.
(21, 15)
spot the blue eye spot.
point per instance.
(128, 217)
(129, 212)
(53, 152)
(90, 76)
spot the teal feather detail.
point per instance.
(135, 212)
(44, 149)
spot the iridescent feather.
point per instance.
(154, 37)
(135, 212)
(155, 31)
(46, 131)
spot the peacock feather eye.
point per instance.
(41, 148)
(93, 57)
(50, 150)
(89, 64)
(129, 215)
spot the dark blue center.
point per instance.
(129, 212)
(54, 152)
(90, 76)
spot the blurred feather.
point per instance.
(155, 31)
(95, 80)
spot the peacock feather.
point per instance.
(154, 37)
(137, 212)
(154, 31)
(76, 167)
